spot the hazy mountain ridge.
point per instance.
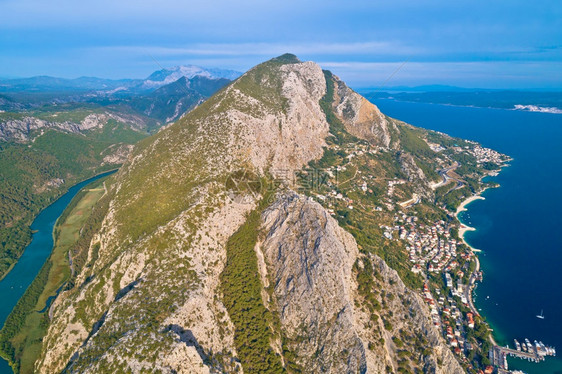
(168, 102)
(155, 80)
(148, 109)
(166, 76)
(534, 101)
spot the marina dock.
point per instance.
(532, 352)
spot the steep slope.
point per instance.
(313, 262)
(169, 102)
(45, 150)
(34, 173)
(166, 76)
(208, 261)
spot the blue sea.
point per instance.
(518, 225)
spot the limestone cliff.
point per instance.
(310, 262)
(23, 129)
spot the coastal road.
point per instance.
(444, 173)
(470, 287)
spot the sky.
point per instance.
(488, 44)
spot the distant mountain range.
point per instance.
(164, 96)
(155, 80)
(533, 101)
(170, 101)
(166, 76)
(55, 132)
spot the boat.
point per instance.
(517, 345)
(529, 346)
(540, 316)
(538, 348)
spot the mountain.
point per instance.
(62, 86)
(257, 234)
(170, 101)
(534, 101)
(47, 83)
(150, 108)
(166, 76)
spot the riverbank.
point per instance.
(22, 290)
(27, 341)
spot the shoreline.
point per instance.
(461, 105)
(464, 227)
(64, 191)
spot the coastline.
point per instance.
(463, 227)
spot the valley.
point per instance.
(55, 133)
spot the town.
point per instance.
(436, 250)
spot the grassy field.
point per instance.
(27, 341)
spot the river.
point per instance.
(34, 256)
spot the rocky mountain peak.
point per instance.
(168, 75)
(184, 278)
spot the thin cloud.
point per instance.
(270, 49)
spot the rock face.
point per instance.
(151, 299)
(310, 261)
(22, 130)
(361, 118)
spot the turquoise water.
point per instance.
(36, 253)
(518, 226)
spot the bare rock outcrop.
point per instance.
(361, 117)
(310, 262)
(25, 129)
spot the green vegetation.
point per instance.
(241, 287)
(34, 175)
(360, 221)
(264, 83)
(21, 337)
(411, 140)
(337, 128)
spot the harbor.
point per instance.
(534, 352)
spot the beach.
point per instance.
(514, 227)
(464, 228)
